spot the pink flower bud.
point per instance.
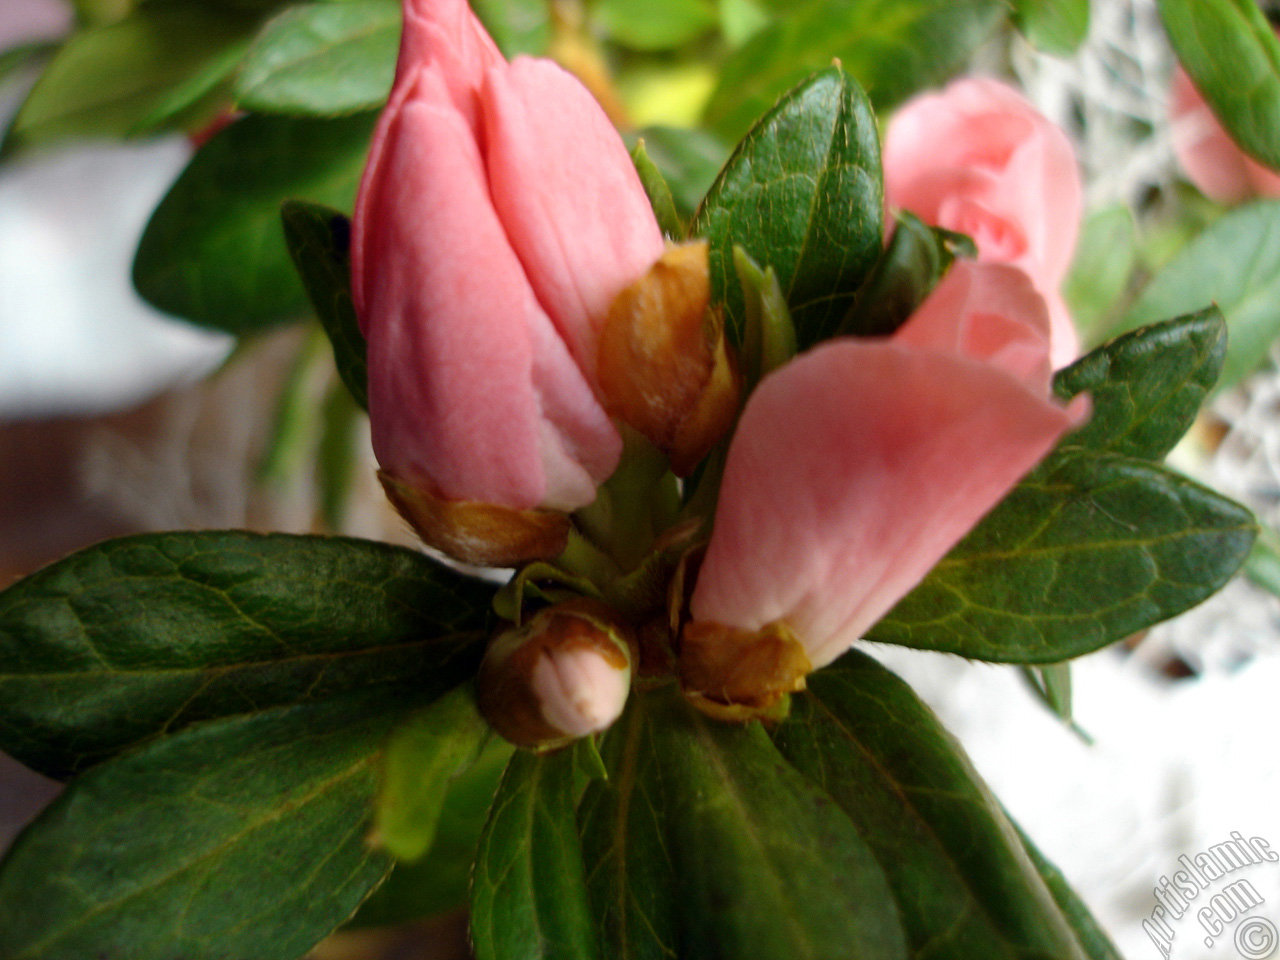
(498, 217)
(1208, 155)
(979, 159)
(858, 465)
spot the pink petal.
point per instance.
(568, 196)
(855, 468)
(471, 390)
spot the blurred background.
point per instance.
(124, 411)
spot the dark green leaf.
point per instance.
(1147, 386)
(802, 194)
(659, 193)
(517, 26)
(239, 838)
(143, 635)
(961, 879)
(1092, 938)
(765, 865)
(1104, 260)
(1054, 26)
(1086, 551)
(906, 273)
(892, 47)
(214, 251)
(528, 892)
(1234, 264)
(654, 24)
(438, 883)
(116, 80)
(688, 160)
(322, 58)
(1230, 51)
(319, 240)
(422, 758)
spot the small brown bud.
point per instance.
(738, 674)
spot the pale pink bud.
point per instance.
(979, 159)
(1208, 155)
(858, 465)
(498, 216)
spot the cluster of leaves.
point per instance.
(261, 729)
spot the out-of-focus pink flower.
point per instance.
(979, 159)
(858, 465)
(29, 21)
(498, 217)
(1208, 155)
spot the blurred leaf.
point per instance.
(319, 241)
(1263, 565)
(654, 24)
(1089, 549)
(963, 884)
(1234, 264)
(740, 20)
(337, 461)
(893, 48)
(421, 760)
(517, 26)
(689, 161)
(1051, 683)
(141, 636)
(18, 58)
(214, 252)
(789, 875)
(120, 79)
(1106, 254)
(291, 443)
(1147, 386)
(802, 194)
(1054, 26)
(1229, 50)
(243, 837)
(323, 58)
(1092, 938)
(655, 187)
(528, 891)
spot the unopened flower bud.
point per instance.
(562, 675)
(664, 367)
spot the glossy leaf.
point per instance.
(319, 242)
(243, 837)
(422, 758)
(1088, 550)
(116, 80)
(893, 48)
(141, 636)
(658, 192)
(1234, 264)
(322, 59)
(1229, 50)
(1089, 933)
(1147, 386)
(1054, 26)
(214, 252)
(528, 892)
(960, 877)
(802, 194)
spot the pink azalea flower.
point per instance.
(858, 465)
(979, 159)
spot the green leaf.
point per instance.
(906, 273)
(1263, 565)
(117, 80)
(517, 26)
(319, 241)
(141, 636)
(769, 333)
(422, 758)
(239, 838)
(654, 24)
(765, 865)
(1106, 254)
(438, 883)
(688, 160)
(1088, 550)
(893, 48)
(214, 252)
(323, 59)
(337, 461)
(1054, 26)
(1147, 386)
(1231, 53)
(802, 194)
(1051, 684)
(528, 892)
(1234, 264)
(1089, 933)
(961, 879)
(658, 192)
